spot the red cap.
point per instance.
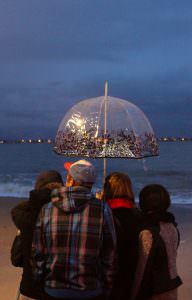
(68, 165)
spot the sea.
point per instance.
(20, 164)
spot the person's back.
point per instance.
(127, 249)
(119, 195)
(24, 216)
(156, 275)
(75, 241)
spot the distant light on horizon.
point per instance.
(51, 141)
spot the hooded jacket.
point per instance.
(74, 245)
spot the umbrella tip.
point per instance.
(106, 88)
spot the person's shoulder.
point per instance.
(22, 215)
(20, 208)
(22, 205)
(130, 215)
(100, 204)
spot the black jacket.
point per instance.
(156, 277)
(127, 223)
(24, 216)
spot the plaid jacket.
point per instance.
(74, 242)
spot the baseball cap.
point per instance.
(82, 171)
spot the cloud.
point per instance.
(88, 30)
(54, 54)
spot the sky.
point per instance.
(54, 53)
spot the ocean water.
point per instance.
(21, 163)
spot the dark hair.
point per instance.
(47, 177)
(118, 185)
(154, 198)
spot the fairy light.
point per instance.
(79, 122)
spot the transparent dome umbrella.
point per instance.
(105, 127)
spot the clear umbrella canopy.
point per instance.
(105, 127)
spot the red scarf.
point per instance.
(120, 202)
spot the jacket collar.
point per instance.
(120, 203)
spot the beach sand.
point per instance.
(10, 276)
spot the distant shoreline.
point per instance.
(52, 141)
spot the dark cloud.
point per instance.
(92, 30)
(54, 54)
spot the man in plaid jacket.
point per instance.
(74, 240)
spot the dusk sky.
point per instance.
(54, 53)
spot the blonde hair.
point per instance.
(118, 185)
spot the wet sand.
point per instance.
(10, 276)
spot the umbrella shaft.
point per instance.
(104, 168)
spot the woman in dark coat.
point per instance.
(24, 215)
(156, 275)
(119, 195)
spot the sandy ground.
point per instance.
(10, 276)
